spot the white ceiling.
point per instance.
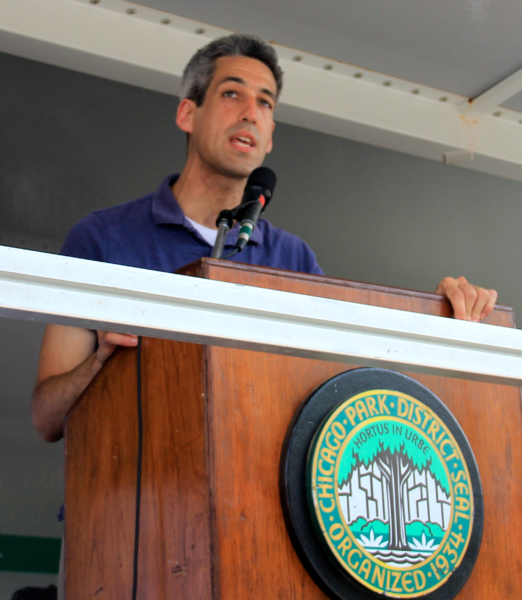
(406, 73)
(460, 46)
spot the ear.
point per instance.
(185, 115)
(270, 144)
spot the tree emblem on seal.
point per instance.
(392, 461)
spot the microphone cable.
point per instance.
(234, 251)
(138, 473)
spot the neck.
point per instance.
(202, 194)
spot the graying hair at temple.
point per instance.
(200, 69)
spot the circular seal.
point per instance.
(390, 501)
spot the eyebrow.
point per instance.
(265, 91)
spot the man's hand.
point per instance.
(109, 341)
(469, 302)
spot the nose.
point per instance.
(249, 110)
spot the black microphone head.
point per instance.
(265, 178)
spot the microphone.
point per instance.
(258, 193)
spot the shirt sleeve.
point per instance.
(87, 239)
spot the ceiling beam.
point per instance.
(492, 98)
(342, 100)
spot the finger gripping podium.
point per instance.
(214, 422)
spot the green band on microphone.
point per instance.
(246, 228)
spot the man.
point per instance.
(229, 92)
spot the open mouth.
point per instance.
(243, 141)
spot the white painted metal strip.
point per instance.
(83, 293)
(492, 98)
(138, 49)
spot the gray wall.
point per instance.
(386, 217)
(71, 143)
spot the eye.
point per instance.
(230, 94)
(266, 103)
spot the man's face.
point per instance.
(231, 132)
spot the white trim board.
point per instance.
(58, 289)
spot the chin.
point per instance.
(239, 171)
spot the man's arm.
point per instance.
(469, 302)
(69, 360)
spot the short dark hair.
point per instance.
(200, 69)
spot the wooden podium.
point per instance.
(214, 421)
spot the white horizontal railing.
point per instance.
(57, 289)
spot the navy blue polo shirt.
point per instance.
(153, 233)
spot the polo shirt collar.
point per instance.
(165, 207)
(167, 211)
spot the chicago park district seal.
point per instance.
(390, 494)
